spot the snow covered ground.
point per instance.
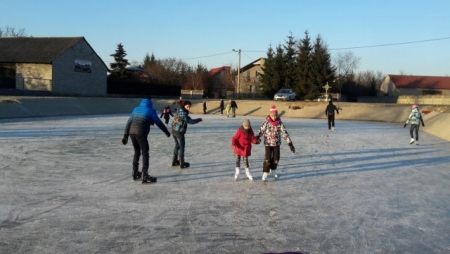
(66, 187)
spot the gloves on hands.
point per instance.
(125, 139)
(291, 146)
(168, 134)
(404, 125)
(423, 125)
(199, 120)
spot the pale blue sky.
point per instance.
(189, 29)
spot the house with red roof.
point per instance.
(222, 81)
(397, 85)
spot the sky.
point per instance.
(416, 34)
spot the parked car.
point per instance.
(284, 94)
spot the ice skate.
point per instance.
(332, 128)
(273, 173)
(264, 176)
(247, 173)
(148, 179)
(137, 175)
(411, 142)
(236, 174)
(184, 164)
(175, 161)
(417, 142)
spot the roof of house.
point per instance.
(420, 82)
(217, 70)
(254, 63)
(35, 49)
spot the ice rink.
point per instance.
(66, 187)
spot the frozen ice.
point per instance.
(66, 187)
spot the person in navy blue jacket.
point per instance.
(137, 128)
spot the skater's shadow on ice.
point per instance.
(365, 167)
(338, 158)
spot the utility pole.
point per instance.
(238, 87)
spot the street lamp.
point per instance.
(239, 73)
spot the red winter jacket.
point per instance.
(242, 141)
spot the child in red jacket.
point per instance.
(241, 143)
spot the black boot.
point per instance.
(148, 179)
(136, 173)
(175, 162)
(184, 164)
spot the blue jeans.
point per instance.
(179, 145)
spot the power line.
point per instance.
(392, 44)
(207, 56)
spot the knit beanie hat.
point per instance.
(273, 109)
(245, 122)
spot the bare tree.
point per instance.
(346, 63)
(11, 32)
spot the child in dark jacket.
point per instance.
(166, 113)
(241, 143)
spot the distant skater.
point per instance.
(166, 113)
(228, 109)
(329, 111)
(415, 118)
(233, 107)
(221, 106)
(204, 107)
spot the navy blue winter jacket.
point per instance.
(142, 117)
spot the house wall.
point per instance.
(250, 80)
(34, 77)
(67, 81)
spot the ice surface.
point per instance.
(66, 187)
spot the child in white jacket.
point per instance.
(415, 118)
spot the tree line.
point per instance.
(306, 66)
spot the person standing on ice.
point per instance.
(166, 113)
(233, 107)
(273, 130)
(179, 127)
(138, 128)
(329, 111)
(221, 106)
(415, 118)
(241, 143)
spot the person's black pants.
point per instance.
(330, 121)
(140, 145)
(166, 120)
(271, 158)
(414, 128)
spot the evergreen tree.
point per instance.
(290, 63)
(118, 67)
(269, 77)
(304, 68)
(322, 72)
